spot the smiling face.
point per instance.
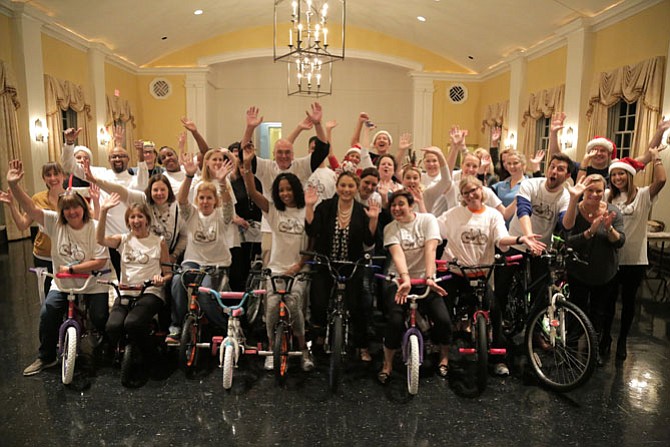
(213, 163)
(206, 199)
(471, 193)
(159, 192)
(556, 174)
(74, 216)
(470, 165)
(382, 143)
(149, 154)
(368, 186)
(432, 164)
(601, 159)
(514, 165)
(386, 168)
(118, 160)
(401, 210)
(411, 178)
(346, 188)
(286, 193)
(593, 194)
(53, 179)
(81, 157)
(169, 159)
(137, 221)
(619, 179)
(283, 154)
(354, 157)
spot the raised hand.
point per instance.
(188, 124)
(6, 197)
(189, 164)
(252, 117)
(330, 125)
(181, 142)
(225, 169)
(663, 125)
(88, 174)
(94, 192)
(557, 120)
(71, 135)
(588, 156)
(315, 113)
(311, 196)
(485, 163)
(405, 141)
(306, 124)
(363, 117)
(110, 201)
(537, 159)
(373, 209)
(653, 151)
(138, 145)
(457, 136)
(249, 154)
(15, 172)
(119, 135)
(496, 133)
(578, 189)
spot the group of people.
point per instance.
(226, 206)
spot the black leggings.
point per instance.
(594, 300)
(134, 321)
(629, 278)
(433, 306)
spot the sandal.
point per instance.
(443, 371)
(364, 355)
(383, 377)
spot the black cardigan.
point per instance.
(322, 229)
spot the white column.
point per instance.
(196, 104)
(660, 210)
(422, 116)
(577, 81)
(517, 85)
(29, 70)
(96, 65)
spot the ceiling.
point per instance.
(476, 34)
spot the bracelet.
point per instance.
(518, 240)
(588, 232)
(610, 229)
(432, 277)
(582, 169)
(190, 176)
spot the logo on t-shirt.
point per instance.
(131, 255)
(205, 234)
(291, 226)
(410, 240)
(71, 251)
(474, 236)
(159, 229)
(543, 211)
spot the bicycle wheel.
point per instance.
(254, 305)
(188, 347)
(561, 349)
(129, 366)
(514, 314)
(336, 347)
(280, 352)
(413, 364)
(69, 355)
(228, 360)
(482, 346)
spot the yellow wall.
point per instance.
(160, 117)
(260, 37)
(64, 62)
(633, 40)
(546, 71)
(492, 91)
(447, 114)
(5, 39)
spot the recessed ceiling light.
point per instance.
(471, 57)
(197, 12)
(421, 18)
(164, 38)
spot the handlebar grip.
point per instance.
(418, 281)
(232, 295)
(72, 275)
(513, 258)
(441, 262)
(107, 282)
(308, 253)
(204, 289)
(259, 292)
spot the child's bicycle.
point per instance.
(337, 330)
(472, 313)
(235, 342)
(126, 350)
(73, 327)
(412, 340)
(282, 346)
(191, 333)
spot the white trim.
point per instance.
(621, 12)
(164, 71)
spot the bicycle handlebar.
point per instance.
(320, 259)
(231, 295)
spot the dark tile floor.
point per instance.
(628, 405)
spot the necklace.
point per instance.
(344, 216)
(589, 214)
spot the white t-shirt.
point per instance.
(472, 237)
(412, 237)
(288, 237)
(70, 247)
(140, 260)
(375, 196)
(207, 243)
(546, 206)
(453, 195)
(634, 250)
(268, 170)
(164, 219)
(323, 180)
(427, 180)
(232, 232)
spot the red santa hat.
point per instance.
(604, 142)
(629, 165)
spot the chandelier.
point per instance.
(307, 48)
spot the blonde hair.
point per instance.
(206, 175)
(471, 180)
(211, 187)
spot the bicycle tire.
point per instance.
(482, 346)
(336, 349)
(571, 360)
(255, 303)
(69, 355)
(513, 318)
(280, 352)
(129, 367)
(188, 346)
(228, 361)
(413, 364)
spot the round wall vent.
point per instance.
(457, 94)
(160, 88)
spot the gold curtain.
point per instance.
(642, 82)
(59, 96)
(9, 138)
(497, 115)
(119, 110)
(540, 105)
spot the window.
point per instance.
(69, 118)
(541, 139)
(621, 127)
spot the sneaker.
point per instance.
(269, 363)
(37, 366)
(174, 336)
(306, 361)
(500, 369)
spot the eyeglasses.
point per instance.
(469, 192)
(117, 157)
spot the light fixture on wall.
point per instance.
(569, 138)
(510, 141)
(307, 47)
(40, 132)
(103, 137)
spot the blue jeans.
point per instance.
(51, 317)
(208, 305)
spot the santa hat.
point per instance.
(629, 165)
(354, 149)
(604, 142)
(374, 137)
(83, 149)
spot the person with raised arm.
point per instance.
(73, 250)
(144, 256)
(206, 245)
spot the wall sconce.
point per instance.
(569, 138)
(510, 142)
(41, 133)
(103, 137)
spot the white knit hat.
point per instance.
(374, 137)
(83, 149)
